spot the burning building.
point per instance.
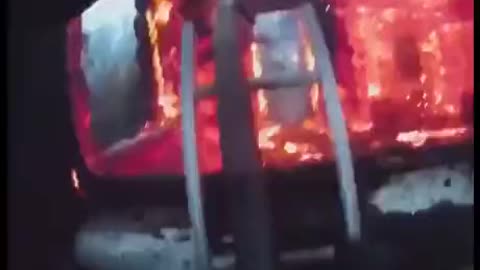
(402, 71)
(408, 86)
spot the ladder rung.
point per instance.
(265, 83)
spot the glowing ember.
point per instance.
(451, 109)
(327, 8)
(257, 73)
(315, 96)
(257, 68)
(168, 102)
(265, 135)
(311, 157)
(262, 102)
(417, 138)
(309, 58)
(75, 181)
(163, 12)
(373, 90)
(360, 127)
(290, 147)
(423, 78)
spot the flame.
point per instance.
(308, 56)
(262, 102)
(442, 70)
(327, 8)
(373, 90)
(75, 180)
(438, 98)
(435, 43)
(162, 14)
(311, 156)
(360, 127)
(257, 73)
(257, 68)
(442, 52)
(417, 138)
(157, 18)
(309, 59)
(374, 33)
(76, 184)
(315, 96)
(290, 147)
(304, 150)
(265, 135)
(168, 100)
(423, 78)
(273, 138)
(362, 9)
(451, 109)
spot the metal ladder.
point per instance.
(241, 160)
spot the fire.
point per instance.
(285, 144)
(375, 30)
(451, 109)
(315, 96)
(257, 73)
(309, 59)
(257, 68)
(406, 53)
(373, 90)
(438, 98)
(360, 127)
(417, 138)
(290, 147)
(379, 71)
(167, 100)
(163, 9)
(308, 55)
(262, 102)
(265, 137)
(75, 180)
(311, 157)
(423, 78)
(410, 63)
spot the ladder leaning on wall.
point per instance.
(241, 161)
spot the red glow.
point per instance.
(405, 73)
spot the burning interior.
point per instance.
(404, 72)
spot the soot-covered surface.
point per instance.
(42, 211)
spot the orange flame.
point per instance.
(257, 68)
(157, 18)
(308, 55)
(262, 102)
(265, 135)
(257, 73)
(309, 59)
(279, 143)
(417, 138)
(315, 96)
(290, 147)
